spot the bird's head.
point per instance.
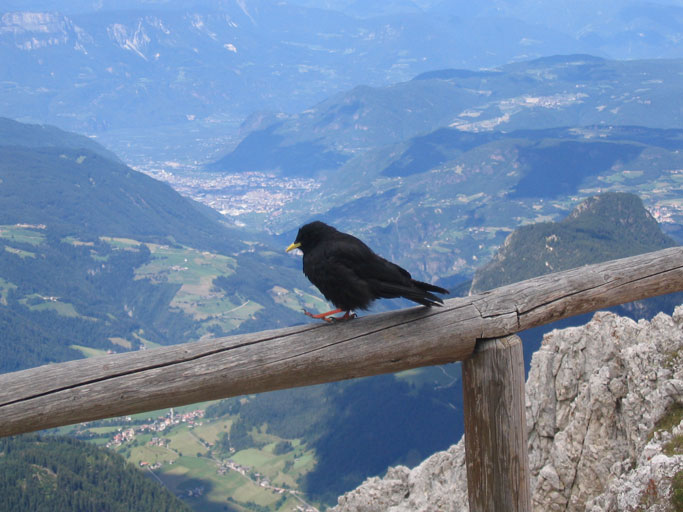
(310, 234)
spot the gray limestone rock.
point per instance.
(594, 396)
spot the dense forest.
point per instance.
(44, 474)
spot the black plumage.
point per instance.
(351, 276)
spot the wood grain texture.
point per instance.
(108, 386)
(496, 453)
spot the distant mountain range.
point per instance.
(437, 171)
(119, 68)
(434, 171)
(573, 90)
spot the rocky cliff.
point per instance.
(605, 423)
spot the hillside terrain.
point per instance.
(94, 255)
(45, 473)
(433, 130)
(121, 272)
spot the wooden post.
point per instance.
(495, 427)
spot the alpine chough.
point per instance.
(351, 276)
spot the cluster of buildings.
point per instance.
(122, 437)
(145, 464)
(192, 418)
(159, 441)
(671, 212)
(236, 194)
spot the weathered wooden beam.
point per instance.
(496, 453)
(108, 386)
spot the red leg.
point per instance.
(323, 315)
(326, 316)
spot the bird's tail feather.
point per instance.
(420, 292)
(430, 287)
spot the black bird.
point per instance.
(351, 276)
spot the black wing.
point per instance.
(384, 278)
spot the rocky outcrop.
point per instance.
(438, 484)
(595, 395)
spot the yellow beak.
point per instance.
(293, 246)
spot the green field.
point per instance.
(5, 288)
(121, 243)
(89, 352)
(182, 281)
(194, 271)
(187, 461)
(152, 455)
(298, 298)
(37, 302)
(24, 234)
(20, 252)
(185, 266)
(209, 431)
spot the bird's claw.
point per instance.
(334, 319)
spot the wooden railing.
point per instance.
(475, 329)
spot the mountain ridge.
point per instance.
(610, 226)
(111, 67)
(564, 90)
(14, 133)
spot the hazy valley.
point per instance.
(191, 141)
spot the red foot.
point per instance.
(327, 318)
